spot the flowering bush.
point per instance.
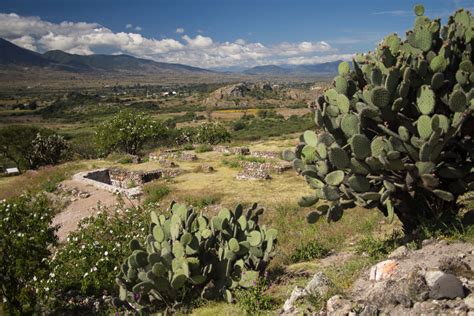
(26, 237)
(128, 132)
(86, 266)
(47, 150)
(211, 133)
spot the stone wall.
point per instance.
(266, 154)
(231, 150)
(127, 179)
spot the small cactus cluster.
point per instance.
(397, 129)
(187, 255)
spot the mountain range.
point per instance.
(15, 57)
(294, 70)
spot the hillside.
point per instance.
(295, 70)
(13, 56)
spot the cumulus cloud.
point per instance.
(202, 51)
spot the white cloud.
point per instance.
(199, 41)
(179, 30)
(202, 51)
(138, 28)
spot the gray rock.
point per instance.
(289, 306)
(400, 252)
(320, 285)
(447, 286)
(469, 301)
(338, 305)
(432, 276)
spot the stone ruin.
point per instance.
(172, 154)
(266, 154)
(267, 166)
(123, 181)
(253, 171)
(231, 150)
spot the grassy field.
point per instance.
(296, 258)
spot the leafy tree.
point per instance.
(16, 143)
(27, 235)
(211, 133)
(47, 150)
(128, 131)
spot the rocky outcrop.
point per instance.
(434, 280)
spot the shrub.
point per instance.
(87, 264)
(81, 147)
(397, 129)
(203, 148)
(211, 133)
(253, 300)
(309, 251)
(128, 131)
(47, 150)
(202, 201)
(155, 192)
(16, 144)
(188, 255)
(27, 235)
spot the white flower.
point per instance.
(83, 247)
(35, 278)
(46, 289)
(86, 274)
(106, 253)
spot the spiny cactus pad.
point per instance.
(395, 131)
(188, 250)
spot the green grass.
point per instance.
(155, 192)
(202, 201)
(203, 148)
(309, 251)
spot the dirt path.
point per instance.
(80, 208)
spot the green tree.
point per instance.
(47, 150)
(16, 143)
(127, 131)
(27, 236)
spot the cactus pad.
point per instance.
(360, 146)
(334, 178)
(380, 97)
(425, 100)
(338, 158)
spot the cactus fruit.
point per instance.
(396, 130)
(189, 254)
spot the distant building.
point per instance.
(12, 171)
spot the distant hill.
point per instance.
(295, 70)
(12, 55)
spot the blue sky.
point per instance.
(212, 33)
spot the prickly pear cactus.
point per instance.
(396, 132)
(187, 255)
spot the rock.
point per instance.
(447, 286)
(456, 266)
(469, 301)
(320, 285)
(400, 252)
(338, 305)
(383, 270)
(427, 242)
(206, 168)
(432, 276)
(84, 195)
(297, 294)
